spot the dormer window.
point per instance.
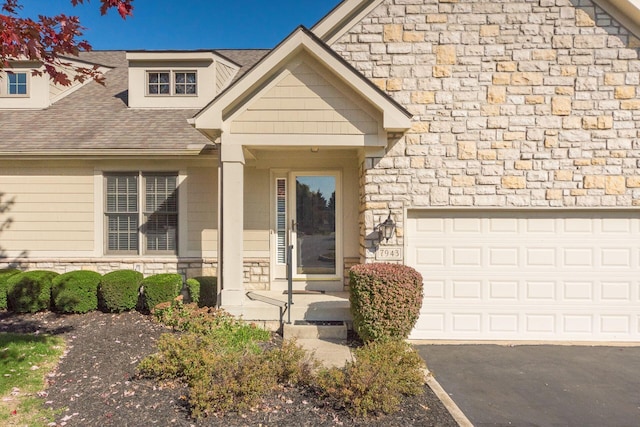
(185, 83)
(167, 83)
(15, 84)
(159, 83)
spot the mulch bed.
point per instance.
(95, 383)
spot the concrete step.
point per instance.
(307, 306)
(331, 330)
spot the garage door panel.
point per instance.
(541, 226)
(504, 256)
(616, 257)
(541, 257)
(578, 291)
(527, 276)
(509, 325)
(462, 257)
(503, 290)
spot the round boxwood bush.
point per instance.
(30, 292)
(207, 287)
(119, 290)
(4, 276)
(385, 300)
(160, 288)
(75, 292)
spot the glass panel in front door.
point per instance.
(316, 224)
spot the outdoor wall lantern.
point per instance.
(386, 229)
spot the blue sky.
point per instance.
(189, 24)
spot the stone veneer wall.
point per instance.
(256, 271)
(256, 274)
(516, 103)
(348, 263)
(188, 267)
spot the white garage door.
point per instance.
(527, 275)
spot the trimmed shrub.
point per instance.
(385, 300)
(228, 365)
(119, 290)
(4, 276)
(375, 382)
(30, 292)
(193, 286)
(75, 291)
(208, 296)
(160, 288)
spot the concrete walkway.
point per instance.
(540, 385)
(331, 352)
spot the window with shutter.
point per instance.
(161, 213)
(122, 213)
(147, 199)
(281, 220)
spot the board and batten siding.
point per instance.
(304, 102)
(46, 211)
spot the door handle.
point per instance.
(294, 226)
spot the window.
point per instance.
(171, 83)
(14, 84)
(159, 83)
(185, 83)
(157, 194)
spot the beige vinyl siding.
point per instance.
(224, 74)
(256, 243)
(304, 102)
(256, 213)
(202, 200)
(47, 209)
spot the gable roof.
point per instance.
(211, 117)
(342, 18)
(95, 119)
(626, 12)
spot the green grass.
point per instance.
(24, 362)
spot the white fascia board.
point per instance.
(342, 18)
(213, 116)
(626, 12)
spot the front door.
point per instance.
(313, 228)
(308, 217)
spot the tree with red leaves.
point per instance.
(50, 39)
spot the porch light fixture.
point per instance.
(386, 229)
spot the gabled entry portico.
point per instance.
(293, 135)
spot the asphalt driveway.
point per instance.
(540, 385)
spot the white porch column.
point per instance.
(230, 239)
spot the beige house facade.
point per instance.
(499, 137)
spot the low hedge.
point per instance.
(160, 288)
(207, 288)
(4, 276)
(30, 292)
(119, 291)
(385, 300)
(75, 292)
(193, 287)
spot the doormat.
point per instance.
(319, 322)
(302, 292)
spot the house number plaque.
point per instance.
(389, 253)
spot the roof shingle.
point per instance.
(97, 117)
